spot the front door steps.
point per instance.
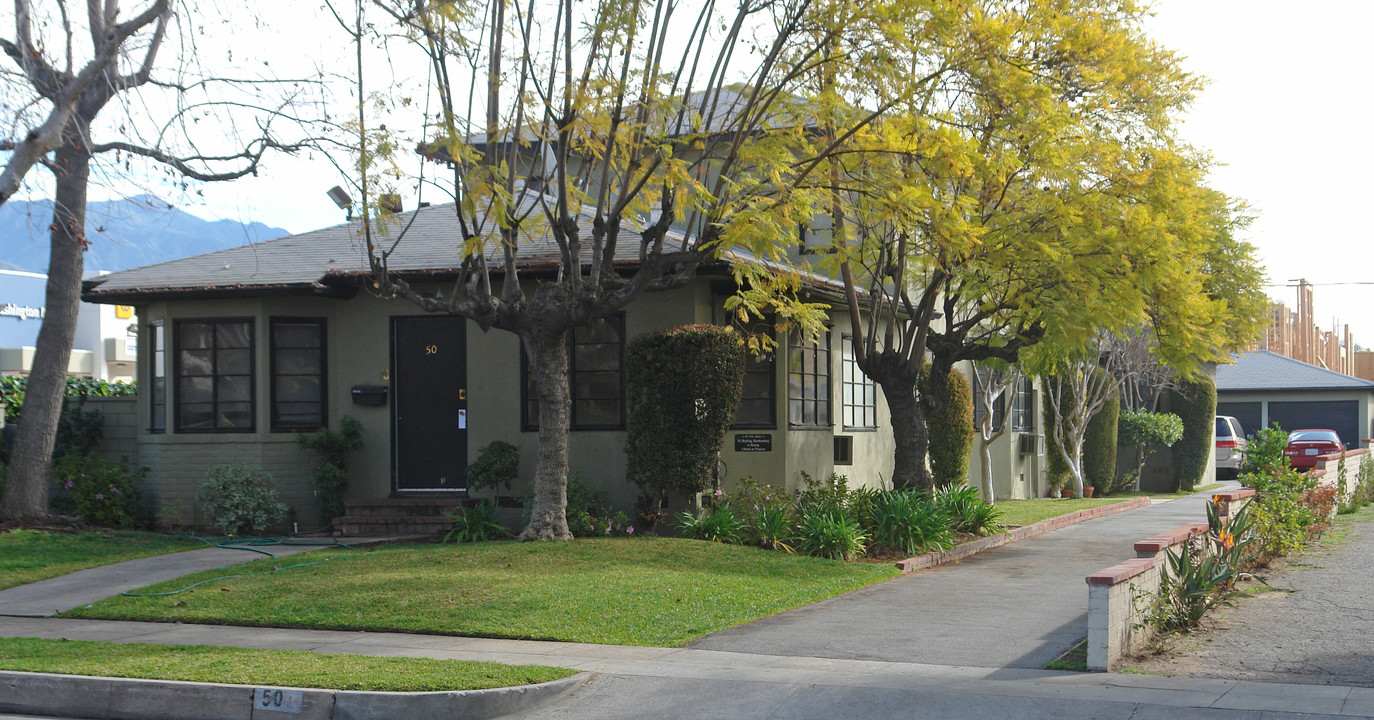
(403, 516)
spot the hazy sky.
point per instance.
(1284, 113)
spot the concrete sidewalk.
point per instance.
(635, 682)
(1019, 605)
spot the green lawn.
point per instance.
(1029, 512)
(30, 555)
(240, 666)
(641, 591)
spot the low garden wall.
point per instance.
(1330, 470)
(1116, 623)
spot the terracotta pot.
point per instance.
(1088, 491)
(1066, 493)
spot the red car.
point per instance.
(1305, 446)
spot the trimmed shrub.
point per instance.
(240, 498)
(683, 386)
(335, 449)
(950, 431)
(1195, 403)
(12, 391)
(1145, 431)
(1099, 447)
(496, 467)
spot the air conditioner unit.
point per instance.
(1029, 444)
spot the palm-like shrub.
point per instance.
(967, 511)
(475, 524)
(831, 533)
(906, 521)
(719, 525)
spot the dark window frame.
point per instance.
(157, 350)
(763, 365)
(1023, 406)
(820, 349)
(849, 367)
(274, 422)
(529, 403)
(177, 326)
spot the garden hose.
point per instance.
(250, 544)
(230, 577)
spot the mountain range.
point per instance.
(132, 232)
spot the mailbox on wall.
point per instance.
(369, 395)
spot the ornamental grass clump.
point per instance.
(477, 523)
(967, 511)
(908, 522)
(830, 533)
(718, 525)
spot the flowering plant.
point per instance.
(101, 492)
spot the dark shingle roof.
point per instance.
(333, 259)
(1265, 370)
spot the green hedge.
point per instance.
(1099, 446)
(683, 386)
(1195, 403)
(12, 391)
(950, 431)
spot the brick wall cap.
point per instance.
(1122, 572)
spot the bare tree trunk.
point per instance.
(909, 433)
(26, 485)
(549, 366)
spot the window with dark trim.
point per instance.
(999, 406)
(596, 361)
(808, 380)
(298, 374)
(1023, 406)
(858, 392)
(157, 378)
(758, 405)
(213, 368)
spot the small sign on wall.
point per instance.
(753, 442)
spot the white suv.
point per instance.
(1230, 447)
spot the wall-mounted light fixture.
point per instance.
(342, 199)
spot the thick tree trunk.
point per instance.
(26, 484)
(549, 366)
(909, 433)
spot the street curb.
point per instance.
(969, 549)
(107, 698)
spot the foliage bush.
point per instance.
(589, 512)
(99, 491)
(717, 525)
(12, 391)
(906, 521)
(831, 533)
(1264, 453)
(1145, 430)
(1195, 402)
(682, 389)
(331, 476)
(772, 527)
(950, 431)
(1099, 447)
(967, 511)
(476, 523)
(832, 493)
(240, 498)
(496, 467)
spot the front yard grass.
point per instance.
(657, 592)
(31, 555)
(279, 668)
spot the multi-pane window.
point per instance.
(757, 406)
(859, 396)
(1023, 406)
(157, 378)
(595, 362)
(214, 375)
(808, 380)
(298, 374)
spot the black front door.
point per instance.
(429, 426)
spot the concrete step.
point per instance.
(354, 526)
(404, 507)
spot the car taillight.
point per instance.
(1226, 444)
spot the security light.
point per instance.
(341, 199)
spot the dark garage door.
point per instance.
(1341, 416)
(1248, 413)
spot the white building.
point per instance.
(106, 340)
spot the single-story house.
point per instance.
(1263, 388)
(243, 349)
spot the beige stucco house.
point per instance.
(243, 349)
